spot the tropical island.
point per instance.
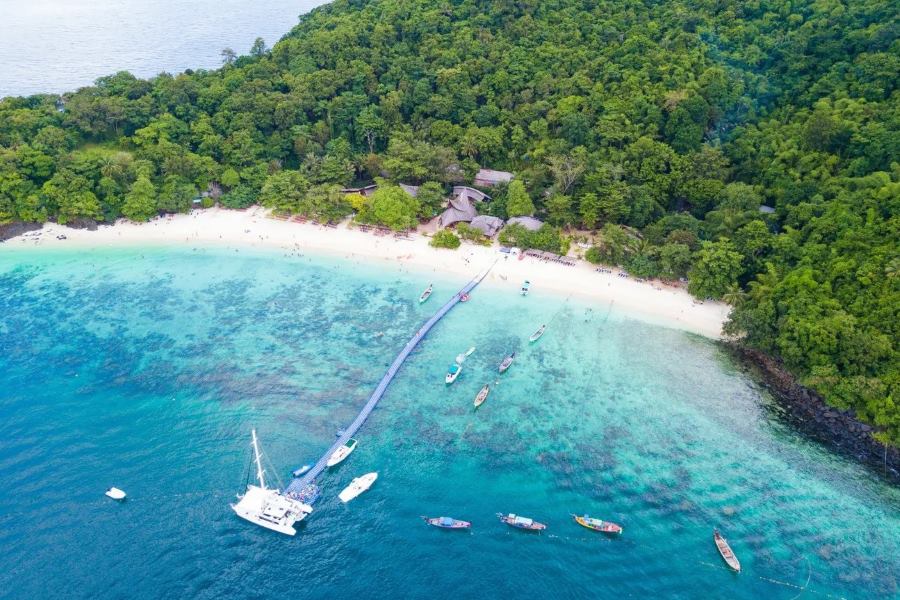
(750, 150)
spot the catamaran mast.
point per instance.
(259, 469)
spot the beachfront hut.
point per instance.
(412, 190)
(529, 223)
(487, 224)
(490, 177)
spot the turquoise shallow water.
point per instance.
(146, 369)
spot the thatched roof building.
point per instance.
(487, 224)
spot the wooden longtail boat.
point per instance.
(598, 525)
(507, 362)
(447, 523)
(725, 550)
(426, 294)
(482, 395)
(521, 522)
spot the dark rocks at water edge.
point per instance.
(12, 230)
(805, 409)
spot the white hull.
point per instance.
(451, 377)
(268, 508)
(357, 487)
(340, 455)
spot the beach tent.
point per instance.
(487, 224)
(529, 223)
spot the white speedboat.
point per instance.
(115, 493)
(452, 373)
(358, 486)
(342, 453)
(426, 294)
(266, 507)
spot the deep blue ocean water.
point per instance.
(55, 46)
(147, 368)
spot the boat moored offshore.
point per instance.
(482, 395)
(342, 453)
(725, 550)
(521, 522)
(426, 294)
(357, 486)
(267, 507)
(447, 523)
(537, 334)
(598, 525)
(506, 363)
(452, 373)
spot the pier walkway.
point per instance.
(300, 484)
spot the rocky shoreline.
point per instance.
(840, 430)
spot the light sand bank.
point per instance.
(668, 306)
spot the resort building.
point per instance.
(487, 224)
(490, 177)
(462, 205)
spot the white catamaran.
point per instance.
(267, 507)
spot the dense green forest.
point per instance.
(662, 126)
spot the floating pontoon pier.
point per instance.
(303, 488)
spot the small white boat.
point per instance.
(482, 395)
(357, 487)
(537, 334)
(507, 362)
(115, 493)
(426, 294)
(267, 507)
(342, 453)
(452, 373)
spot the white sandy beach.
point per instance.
(649, 301)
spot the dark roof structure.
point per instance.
(487, 224)
(490, 177)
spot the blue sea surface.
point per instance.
(146, 369)
(55, 46)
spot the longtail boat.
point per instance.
(598, 525)
(521, 522)
(482, 395)
(725, 550)
(507, 362)
(537, 334)
(426, 294)
(447, 523)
